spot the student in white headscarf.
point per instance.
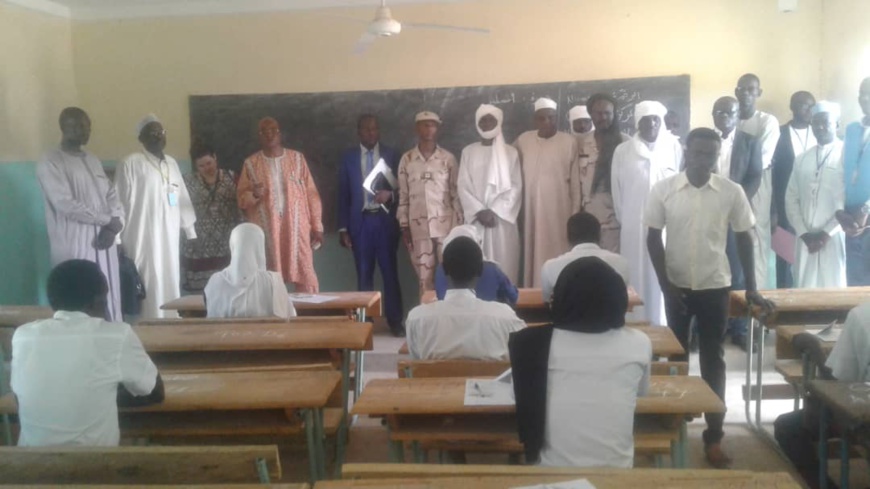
(491, 190)
(492, 285)
(246, 288)
(652, 155)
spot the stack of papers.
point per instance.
(577, 484)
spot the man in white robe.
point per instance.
(652, 155)
(82, 212)
(765, 127)
(814, 194)
(551, 178)
(490, 190)
(157, 207)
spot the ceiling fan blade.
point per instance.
(475, 30)
(364, 43)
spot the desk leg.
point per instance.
(319, 441)
(341, 440)
(7, 430)
(360, 358)
(684, 444)
(759, 370)
(844, 461)
(823, 448)
(314, 437)
(263, 471)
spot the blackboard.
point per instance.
(323, 125)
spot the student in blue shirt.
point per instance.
(493, 284)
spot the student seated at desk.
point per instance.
(461, 326)
(576, 382)
(246, 288)
(492, 285)
(584, 234)
(797, 432)
(70, 373)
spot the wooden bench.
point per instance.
(139, 465)
(388, 476)
(451, 368)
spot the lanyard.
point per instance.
(820, 164)
(803, 140)
(161, 166)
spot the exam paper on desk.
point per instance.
(311, 298)
(488, 392)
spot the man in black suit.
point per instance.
(740, 160)
(795, 138)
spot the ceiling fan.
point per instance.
(384, 25)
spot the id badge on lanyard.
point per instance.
(172, 195)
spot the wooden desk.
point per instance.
(683, 395)
(419, 407)
(664, 342)
(275, 337)
(307, 391)
(600, 478)
(263, 320)
(850, 405)
(355, 304)
(803, 306)
(531, 307)
(17, 315)
(793, 307)
(256, 336)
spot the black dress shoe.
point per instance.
(398, 332)
(743, 342)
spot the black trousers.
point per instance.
(797, 433)
(710, 310)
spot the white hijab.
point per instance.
(464, 231)
(245, 288)
(498, 179)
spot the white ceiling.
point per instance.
(126, 9)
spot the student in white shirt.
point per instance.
(461, 325)
(584, 234)
(70, 373)
(576, 382)
(798, 431)
(697, 207)
(245, 288)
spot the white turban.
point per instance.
(498, 178)
(148, 119)
(545, 103)
(649, 107)
(578, 112)
(826, 106)
(463, 231)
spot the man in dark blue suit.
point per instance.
(367, 223)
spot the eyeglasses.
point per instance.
(269, 132)
(726, 113)
(157, 134)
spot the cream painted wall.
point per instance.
(128, 68)
(36, 62)
(845, 52)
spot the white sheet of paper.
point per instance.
(575, 484)
(830, 336)
(380, 167)
(488, 392)
(312, 298)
